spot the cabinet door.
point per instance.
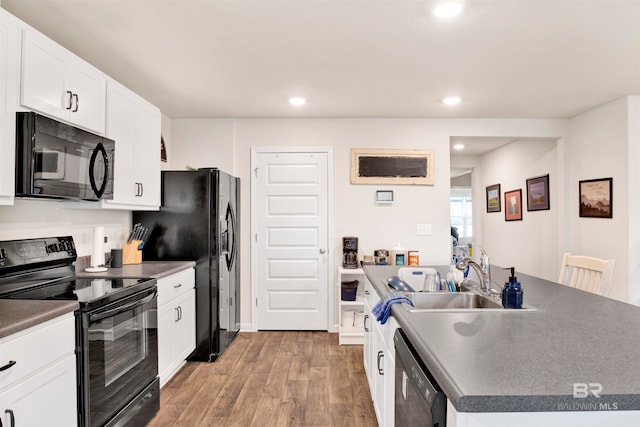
(135, 126)
(9, 83)
(57, 83)
(147, 155)
(44, 71)
(185, 326)
(379, 373)
(368, 345)
(121, 127)
(45, 399)
(89, 87)
(166, 336)
(389, 380)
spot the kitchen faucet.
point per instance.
(482, 270)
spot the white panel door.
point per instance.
(291, 240)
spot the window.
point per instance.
(461, 212)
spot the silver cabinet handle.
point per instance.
(322, 250)
(179, 285)
(366, 328)
(380, 356)
(75, 95)
(68, 107)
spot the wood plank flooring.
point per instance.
(272, 378)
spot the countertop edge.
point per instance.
(155, 269)
(18, 315)
(549, 301)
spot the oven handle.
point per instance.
(121, 309)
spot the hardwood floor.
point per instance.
(272, 378)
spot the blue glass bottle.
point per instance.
(512, 293)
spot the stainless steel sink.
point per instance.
(458, 301)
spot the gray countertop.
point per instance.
(529, 361)
(155, 269)
(16, 315)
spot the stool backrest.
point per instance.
(587, 273)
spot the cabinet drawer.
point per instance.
(370, 294)
(175, 285)
(36, 347)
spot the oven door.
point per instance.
(119, 354)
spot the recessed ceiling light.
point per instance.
(458, 146)
(448, 9)
(297, 101)
(452, 100)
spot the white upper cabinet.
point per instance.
(9, 83)
(135, 126)
(57, 83)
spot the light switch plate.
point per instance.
(424, 230)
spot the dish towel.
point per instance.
(382, 310)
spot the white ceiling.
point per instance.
(357, 58)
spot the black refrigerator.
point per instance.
(199, 221)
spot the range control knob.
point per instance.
(3, 254)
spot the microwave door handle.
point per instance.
(121, 309)
(92, 164)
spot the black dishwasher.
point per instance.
(418, 399)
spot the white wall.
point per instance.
(46, 218)
(604, 143)
(530, 245)
(355, 211)
(633, 122)
(202, 143)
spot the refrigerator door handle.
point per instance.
(231, 235)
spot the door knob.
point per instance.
(322, 250)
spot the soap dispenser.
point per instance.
(512, 292)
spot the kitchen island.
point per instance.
(522, 367)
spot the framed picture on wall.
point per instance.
(392, 166)
(513, 205)
(596, 198)
(493, 198)
(538, 193)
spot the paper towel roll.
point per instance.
(97, 255)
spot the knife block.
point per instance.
(131, 254)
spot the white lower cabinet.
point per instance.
(379, 359)
(38, 388)
(176, 322)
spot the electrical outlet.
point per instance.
(424, 230)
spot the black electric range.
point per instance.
(116, 328)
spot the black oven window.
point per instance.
(122, 342)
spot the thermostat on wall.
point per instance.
(384, 196)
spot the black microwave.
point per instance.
(57, 160)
